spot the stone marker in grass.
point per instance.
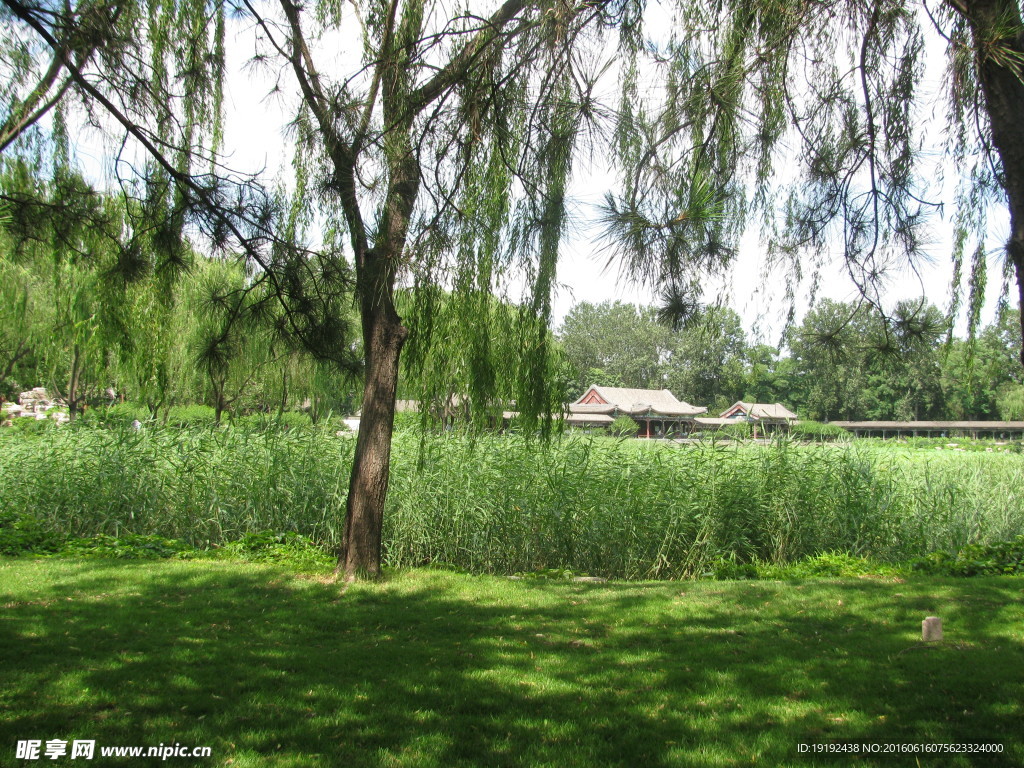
(931, 629)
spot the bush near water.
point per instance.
(507, 504)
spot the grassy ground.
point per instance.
(437, 669)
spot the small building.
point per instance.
(765, 417)
(656, 411)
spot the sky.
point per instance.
(255, 140)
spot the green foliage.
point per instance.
(119, 415)
(613, 344)
(739, 430)
(289, 549)
(467, 372)
(32, 426)
(200, 485)
(286, 420)
(22, 534)
(806, 429)
(29, 536)
(510, 106)
(623, 426)
(728, 568)
(1010, 402)
(408, 421)
(706, 361)
(504, 504)
(844, 361)
(957, 444)
(852, 363)
(829, 565)
(191, 416)
(1002, 558)
(622, 345)
(126, 546)
(197, 331)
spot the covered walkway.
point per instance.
(991, 430)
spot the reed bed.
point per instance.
(644, 510)
(505, 504)
(205, 486)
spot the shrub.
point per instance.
(623, 426)
(741, 430)
(730, 569)
(815, 430)
(262, 421)
(294, 420)
(288, 548)
(191, 416)
(408, 421)
(31, 426)
(119, 415)
(23, 535)
(828, 565)
(998, 559)
(128, 546)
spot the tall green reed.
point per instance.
(207, 486)
(505, 504)
(647, 510)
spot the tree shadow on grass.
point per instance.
(268, 669)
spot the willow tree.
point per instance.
(435, 146)
(844, 89)
(444, 155)
(986, 41)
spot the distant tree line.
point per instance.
(844, 361)
(95, 318)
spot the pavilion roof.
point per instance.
(635, 402)
(761, 410)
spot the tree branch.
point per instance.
(201, 194)
(461, 64)
(342, 154)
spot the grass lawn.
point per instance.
(437, 669)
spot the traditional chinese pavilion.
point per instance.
(766, 417)
(657, 411)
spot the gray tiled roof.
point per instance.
(637, 402)
(763, 410)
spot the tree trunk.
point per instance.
(154, 407)
(74, 381)
(21, 351)
(996, 26)
(383, 333)
(284, 395)
(383, 338)
(219, 402)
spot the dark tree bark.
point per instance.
(383, 335)
(19, 352)
(74, 383)
(383, 338)
(998, 35)
(219, 401)
(283, 405)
